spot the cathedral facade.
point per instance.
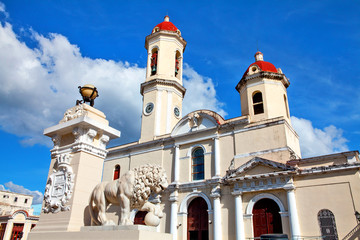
(234, 178)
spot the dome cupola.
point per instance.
(166, 25)
(260, 65)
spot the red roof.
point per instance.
(264, 66)
(166, 25)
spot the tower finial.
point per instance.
(259, 56)
(166, 18)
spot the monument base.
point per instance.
(131, 232)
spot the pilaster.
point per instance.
(293, 214)
(239, 215)
(217, 226)
(173, 214)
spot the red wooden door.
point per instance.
(17, 231)
(266, 218)
(198, 220)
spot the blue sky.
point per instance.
(48, 48)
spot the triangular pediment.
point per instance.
(259, 166)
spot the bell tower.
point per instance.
(263, 91)
(162, 90)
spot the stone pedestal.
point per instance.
(77, 159)
(134, 232)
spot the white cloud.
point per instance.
(200, 93)
(314, 141)
(2, 10)
(39, 84)
(11, 187)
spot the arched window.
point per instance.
(198, 164)
(258, 103)
(327, 225)
(177, 64)
(117, 172)
(154, 61)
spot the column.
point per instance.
(176, 164)
(293, 215)
(215, 193)
(173, 214)
(217, 157)
(8, 230)
(217, 219)
(239, 216)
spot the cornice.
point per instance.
(268, 75)
(164, 82)
(165, 33)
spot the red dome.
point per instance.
(165, 25)
(264, 66)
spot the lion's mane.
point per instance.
(147, 178)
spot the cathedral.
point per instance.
(234, 178)
(228, 179)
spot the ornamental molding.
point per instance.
(59, 187)
(263, 74)
(84, 135)
(162, 82)
(216, 191)
(74, 112)
(85, 147)
(56, 140)
(244, 185)
(83, 141)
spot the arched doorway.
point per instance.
(197, 220)
(266, 217)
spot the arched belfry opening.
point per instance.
(154, 61)
(177, 64)
(198, 220)
(266, 217)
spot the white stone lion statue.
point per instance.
(131, 191)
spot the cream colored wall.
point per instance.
(273, 92)
(268, 138)
(148, 121)
(227, 152)
(275, 104)
(332, 191)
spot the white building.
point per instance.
(16, 215)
